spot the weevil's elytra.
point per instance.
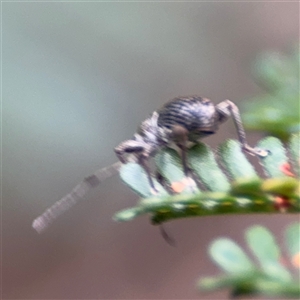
(180, 121)
(198, 115)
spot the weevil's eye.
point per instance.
(134, 150)
(205, 130)
(222, 118)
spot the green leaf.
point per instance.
(292, 239)
(295, 153)
(235, 161)
(264, 247)
(236, 281)
(276, 289)
(134, 176)
(285, 186)
(230, 257)
(247, 186)
(245, 195)
(250, 284)
(169, 165)
(128, 214)
(275, 112)
(277, 72)
(274, 162)
(270, 280)
(203, 162)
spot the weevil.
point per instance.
(182, 121)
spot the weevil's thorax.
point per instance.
(198, 115)
(150, 134)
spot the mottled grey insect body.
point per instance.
(181, 121)
(197, 116)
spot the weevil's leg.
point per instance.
(180, 138)
(227, 108)
(166, 185)
(143, 161)
(139, 151)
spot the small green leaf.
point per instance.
(134, 176)
(263, 245)
(128, 214)
(254, 284)
(292, 239)
(246, 194)
(276, 289)
(276, 159)
(203, 162)
(276, 71)
(232, 281)
(247, 186)
(235, 161)
(274, 115)
(170, 166)
(295, 153)
(272, 280)
(230, 257)
(276, 111)
(284, 186)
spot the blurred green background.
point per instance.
(77, 78)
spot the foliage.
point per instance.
(227, 183)
(237, 190)
(272, 276)
(277, 111)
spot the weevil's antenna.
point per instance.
(44, 220)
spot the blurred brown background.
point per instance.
(77, 79)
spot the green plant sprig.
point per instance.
(237, 190)
(274, 274)
(276, 111)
